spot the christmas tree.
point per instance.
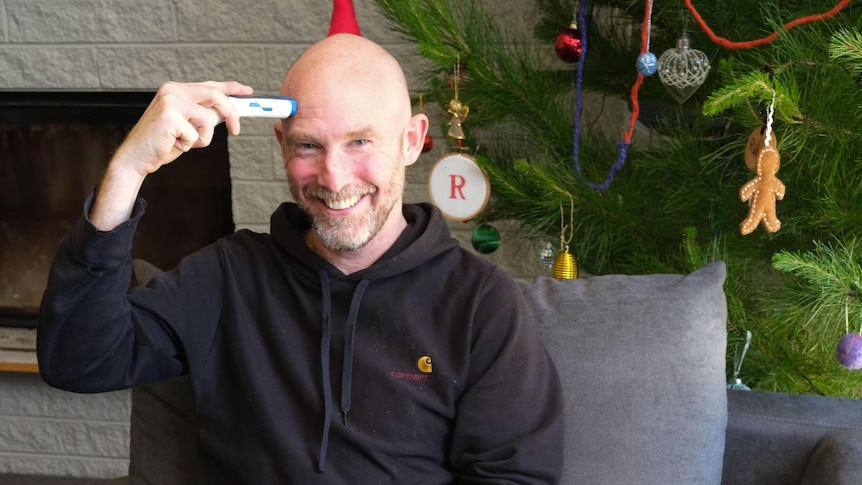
(782, 74)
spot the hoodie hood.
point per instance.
(425, 237)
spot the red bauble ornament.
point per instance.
(569, 44)
(428, 145)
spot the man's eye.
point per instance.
(361, 141)
(305, 146)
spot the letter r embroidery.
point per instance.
(458, 183)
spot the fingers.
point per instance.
(212, 95)
(192, 127)
(202, 106)
(179, 118)
(222, 106)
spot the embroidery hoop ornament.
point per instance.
(459, 187)
(457, 184)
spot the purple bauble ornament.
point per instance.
(849, 351)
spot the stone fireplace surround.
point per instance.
(114, 45)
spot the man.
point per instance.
(356, 343)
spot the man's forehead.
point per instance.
(298, 128)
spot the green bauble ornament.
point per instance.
(485, 238)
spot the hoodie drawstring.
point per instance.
(347, 369)
(324, 367)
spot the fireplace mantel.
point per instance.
(18, 350)
(77, 105)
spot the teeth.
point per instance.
(340, 204)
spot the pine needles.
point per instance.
(675, 203)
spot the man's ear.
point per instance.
(414, 138)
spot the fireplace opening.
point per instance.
(54, 147)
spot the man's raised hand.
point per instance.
(179, 118)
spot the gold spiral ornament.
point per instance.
(565, 266)
(424, 364)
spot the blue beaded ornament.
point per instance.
(647, 63)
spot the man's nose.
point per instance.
(335, 172)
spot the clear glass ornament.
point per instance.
(682, 69)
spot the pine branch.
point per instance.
(675, 203)
(845, 47)
(756, 87)
(832, 272)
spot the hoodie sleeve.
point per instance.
(509, 425)
(90, 337)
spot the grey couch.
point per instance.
(642, 361)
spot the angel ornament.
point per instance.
(761, 192)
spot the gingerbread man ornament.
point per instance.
(761, 192)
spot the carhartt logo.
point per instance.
(424, 364)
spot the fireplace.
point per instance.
(54, 147)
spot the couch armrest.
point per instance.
(836, 460)
(163, 445)
(771, 436)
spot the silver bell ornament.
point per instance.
(682, 69)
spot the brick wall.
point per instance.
(46, 431)
(103, 45)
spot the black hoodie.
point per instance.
(423, 368)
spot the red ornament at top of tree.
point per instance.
(428, 144)
(569, 44)
(343, 18)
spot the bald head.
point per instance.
(345, 65)
(346, 148)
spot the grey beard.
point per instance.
(335, 234)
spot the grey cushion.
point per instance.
(775, 438)
(163, 448)
(642, 363)
(835, 460)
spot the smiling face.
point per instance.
(346, 148)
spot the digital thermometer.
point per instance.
(264, 106)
